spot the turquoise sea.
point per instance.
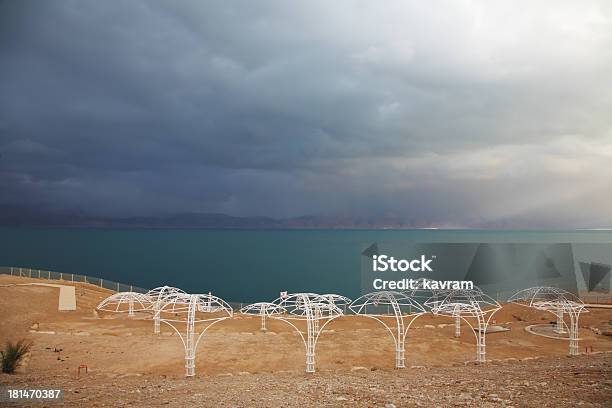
(238, 265)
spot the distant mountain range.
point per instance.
(19, 216)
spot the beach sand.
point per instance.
(238, 365)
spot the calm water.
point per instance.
(238, 265)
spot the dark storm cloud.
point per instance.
(459, 114)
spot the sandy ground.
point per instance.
(583, 381)
(257, 367)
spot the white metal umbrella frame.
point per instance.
(157, 298)
(125, 302)
(558, 302)
(316, 310)
(264, 310)
(396, 311)
(465, 304)
(192, 310)
(421, 293)
(341, 301)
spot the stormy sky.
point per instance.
(454, 113)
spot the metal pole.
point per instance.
(480, 341)
(399, 341)
(559, 328)
(156, 327)
(262, 312)
(457, 326)
(310, 352)
(573, 350)
(190, 341)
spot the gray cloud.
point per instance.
(458, 113)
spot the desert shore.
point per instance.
(238, 365)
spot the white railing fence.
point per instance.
(70, 277)
(73, 277)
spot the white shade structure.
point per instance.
(264, 310)
(184, 313)
(422, 292)
(556, 301)
(157, 298)
(396, 311)
(341, 301)
(316, 311)
(426, 296)
(125, 302)
(470, 305)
